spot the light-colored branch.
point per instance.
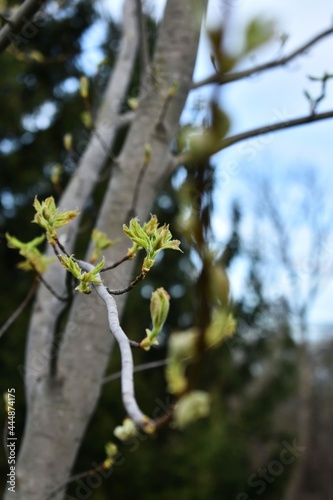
(223, 78)
(127, 383)
(187, 157)
(80, 188)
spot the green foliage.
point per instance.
(159, 309)
(49, 219)
(152, 238)
(191, 407)
(34, 259)
(85, 278)
(101, 242)
(126, 431)
(258, 32)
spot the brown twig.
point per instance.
(116, 264)
(127, 288)
(20, 309)
(50, 289)
(81, 475)
(220, 78)
(132, 211)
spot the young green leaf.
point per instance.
(101, 242)
(159, 309)
(49, 219)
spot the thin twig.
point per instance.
(138, 368)
(132, 211)
(231, 77)
(127, 383)
(20, 309)
(50, 289)
(144, 47)
(116, 264)
(62, 248)
(187, 157)
(127, 288)
(76, 477)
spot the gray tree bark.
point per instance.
(60, 406)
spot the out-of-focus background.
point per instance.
(269, 219)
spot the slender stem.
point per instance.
(61, 247)
(220, 79)
(127, 384)
(20, 309)
(127, 288)
(187, 157)
(116, 264)
(50, 289)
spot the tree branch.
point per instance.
(187, 157)
(127, 288)
(15, 22)
(139, 368)
(221, 78)
(127, 384)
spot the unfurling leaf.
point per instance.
(133, 103)
(191, 407)
(85, 278)
(159, 308)
(49, 219)
(181, 351)
(71, 265)
(34, 259)
(259, 31)
(222, 326)
(151, 237)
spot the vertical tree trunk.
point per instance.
(60, 408)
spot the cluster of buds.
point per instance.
(49, 219)
(152, 238)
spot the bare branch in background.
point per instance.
(232, 77)
(20, 309)
(186, 158)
